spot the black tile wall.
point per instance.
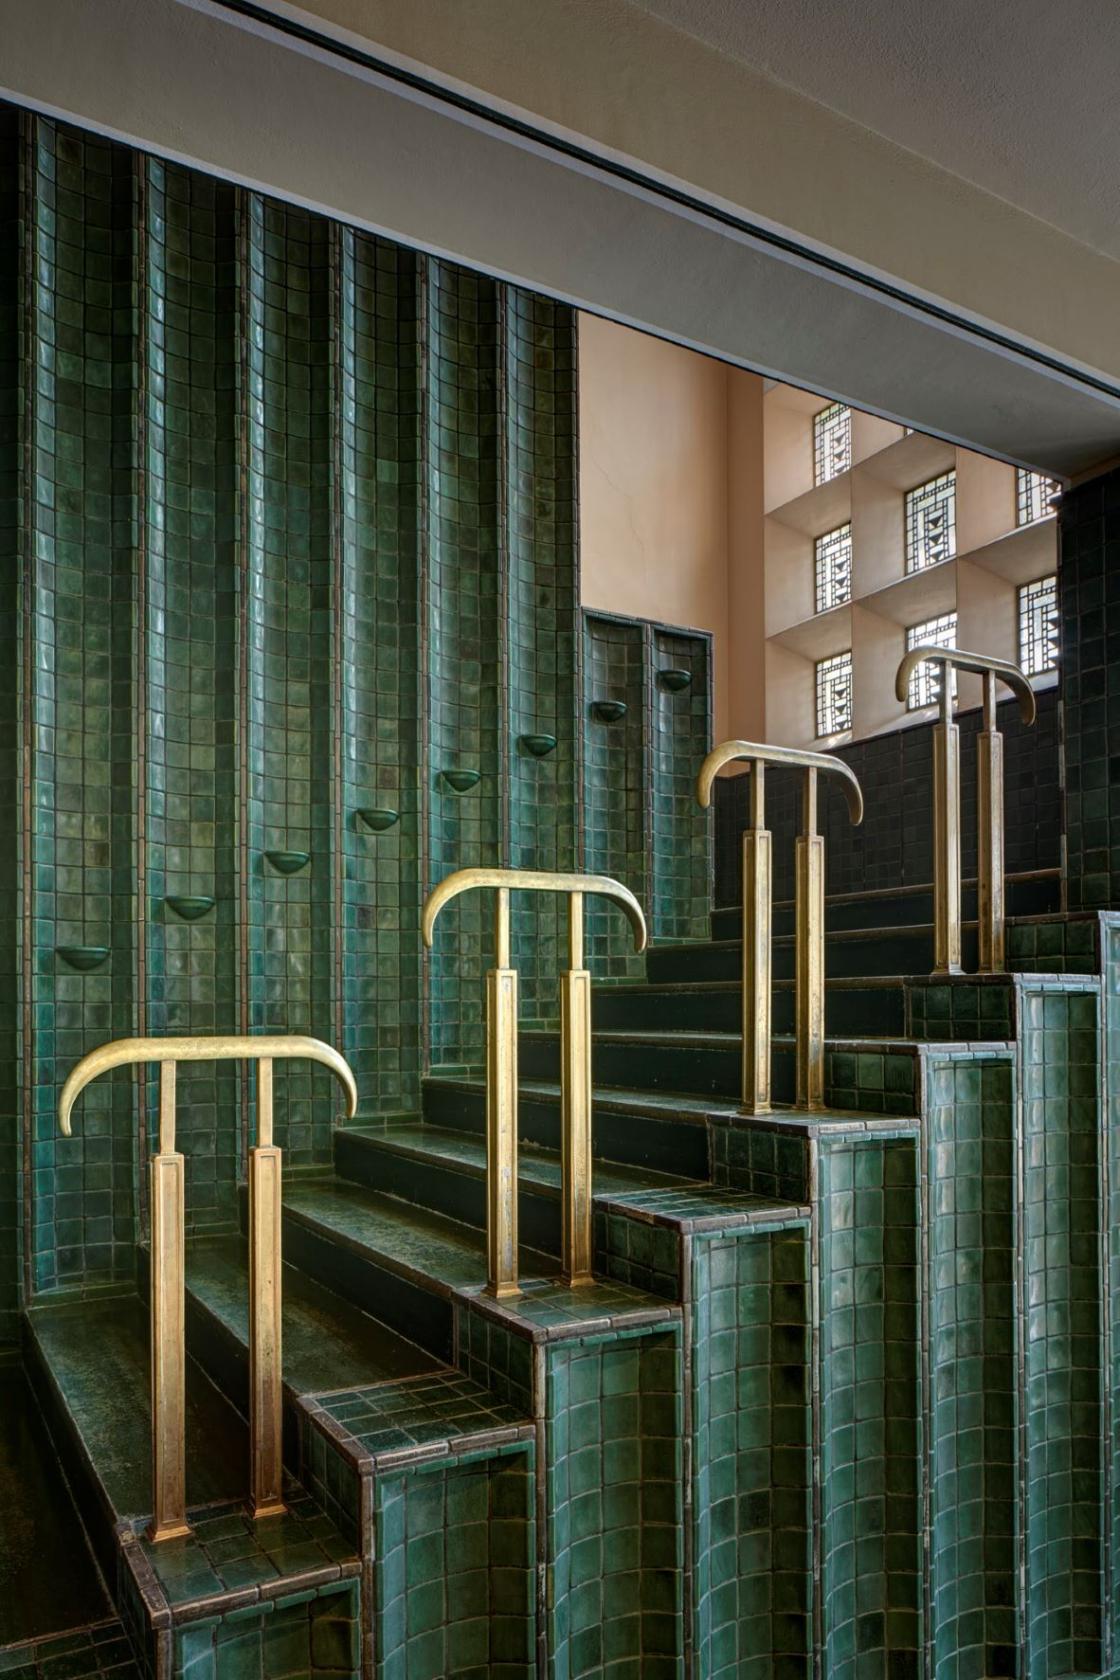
(1089, 610)
(894, 845)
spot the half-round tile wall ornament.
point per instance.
(539, 745)
(83, 957)
(675, 678)
(288, 863)
(461, 780)
(378, 817)
(189, 906)
(609, 711)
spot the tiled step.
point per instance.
(444, 1170)
(665, 1135)
(371, 1247)
(97, 1650)
(863, 1007)
(853, 953)
(41, 1537)
(185, 1602)
(1035, 894)
(875, 1074)
(329, 1342)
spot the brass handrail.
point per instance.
(991, 910)
(501, 1063)
(808, 911)
(168, 1350)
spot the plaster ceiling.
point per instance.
(1016, 96)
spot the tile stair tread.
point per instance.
(663, 1105)
(97, 1352)
(328, 1342)
(411, 1240)
(233, 1557)
(430, 1411)
(536, 1166)
(871, 895)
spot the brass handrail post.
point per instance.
(575, 1103)
(168, 1325)
(946, 805)
(501, 1063)
(809, 952)
(756, 962)
(946, 837)
(168, 1267)
(809, 914)
(501, 1109)
(265, 1311)
(991, 910)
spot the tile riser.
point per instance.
(700, 1071)
(680, 1149)
(849, 957)
(876, 1011)
(456, 1195)
(1025, 897)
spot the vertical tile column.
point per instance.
(751, 1455)
(1063, 1220)
(681, 865)
(870, 1519)
(541, 611)
(376, 415)
(79, 713)
(286, 581)
(190, 525)
(11, 602)
(463, 563)
(615, 783)
(974, 1599)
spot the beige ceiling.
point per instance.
(1017, 96)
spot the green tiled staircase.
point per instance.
(837, 1407)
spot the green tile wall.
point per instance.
(752, 1472)
(80, 713)
(299, 535)
(287, 566)
(681, 867)
(463, 588)
(377, 498)
(870, 1519)
(539, 351)
(11, 602)
(613, 1506)
(616, 784)
(972, 1375)
(454, 1572)
(188, 420)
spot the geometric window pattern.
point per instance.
(1038, 626)
(834, 568)
(925, 680)
(1034, 493)
(832, 442)
(931, 522)
(834, 693)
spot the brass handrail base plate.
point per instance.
(266, 1508)
(582, 1280)
(169, 1531)
(946, 973)
(502, 1291)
